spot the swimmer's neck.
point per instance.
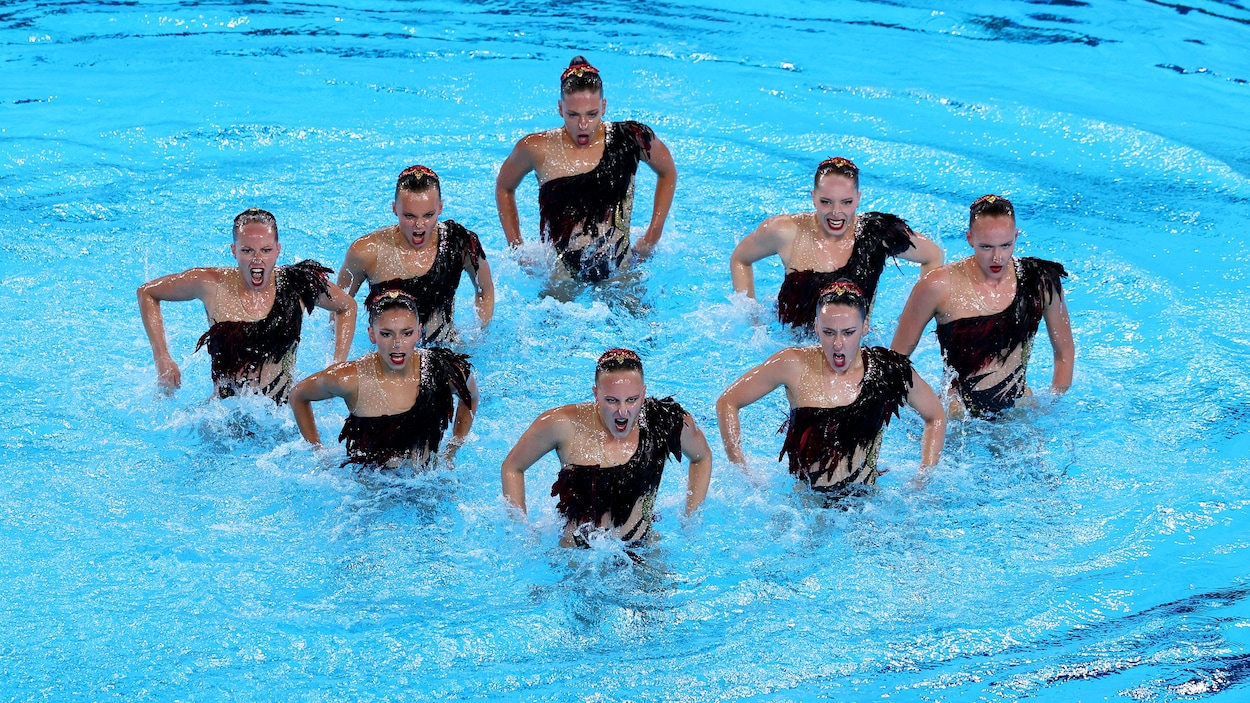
(402, 242)
(982, 280)
(608, 438)
(404, 372)
(855, 357)
(245, 287)
(823, 235)
(568, 142)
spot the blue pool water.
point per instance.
(1095, 549)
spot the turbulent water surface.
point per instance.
(1094, 548)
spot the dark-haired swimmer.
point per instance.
(585, 173)
(401, 398)
(832, 242)
(255, 310)
(422, 256)
(988, 308)
(613, 452)
(841, 398)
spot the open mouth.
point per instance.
(838, 359)
(835, 223)
(418, 237)
(258, 276)
(397, 358)
(621, 423)
(582, 139)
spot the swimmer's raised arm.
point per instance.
(338, 381)
(694, 446)
(548, 433)
(767, 240)
(1059, 327)
(523, 159)
(780, 369)
(924, 401)
(922, 305)
(343, 306)
(924, 251)
(661, 161)
(195, 284)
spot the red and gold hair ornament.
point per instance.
(618, 355)
(578, 70)
(419, 171)
(838, 162)
(841, 288)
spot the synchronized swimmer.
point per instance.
(403, 396)
(585, 173)
(255, 312)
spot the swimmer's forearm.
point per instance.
(153, 324)
(665, 187)
(509, 218)
(932, 440)
(462, 424)
(513, 487)
(302, 409)
(743, 276)
(344, 330)
(1061, 381)
(697, 483)
(730, 431)
(485, 304)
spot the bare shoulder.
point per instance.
(792, 360)
(558, 425)
(939, 279)
(785, 227)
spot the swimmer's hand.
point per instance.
(168, 376)
(324, 456)
(642, 251)
(449, 454)
(754, 478)
(920, 481)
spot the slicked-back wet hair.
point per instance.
(840, 165)
(391, 299)
(252, 215)
(580, 77)
(618, 360)
(990, 206)
(846, 292)
(417, 179)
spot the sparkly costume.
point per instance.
(435, 290)
(877, 236)
(240, 349)
(415, 433)
(586, 215)
(819, 439)
(590, 493)
(971, 344)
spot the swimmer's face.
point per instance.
(582, 113)
(395, 332)
(418, 215)
(256, 249)
(993, 242)
(840, 329)
(836, 198)
(619, 395)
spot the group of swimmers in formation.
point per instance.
(403, 397)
